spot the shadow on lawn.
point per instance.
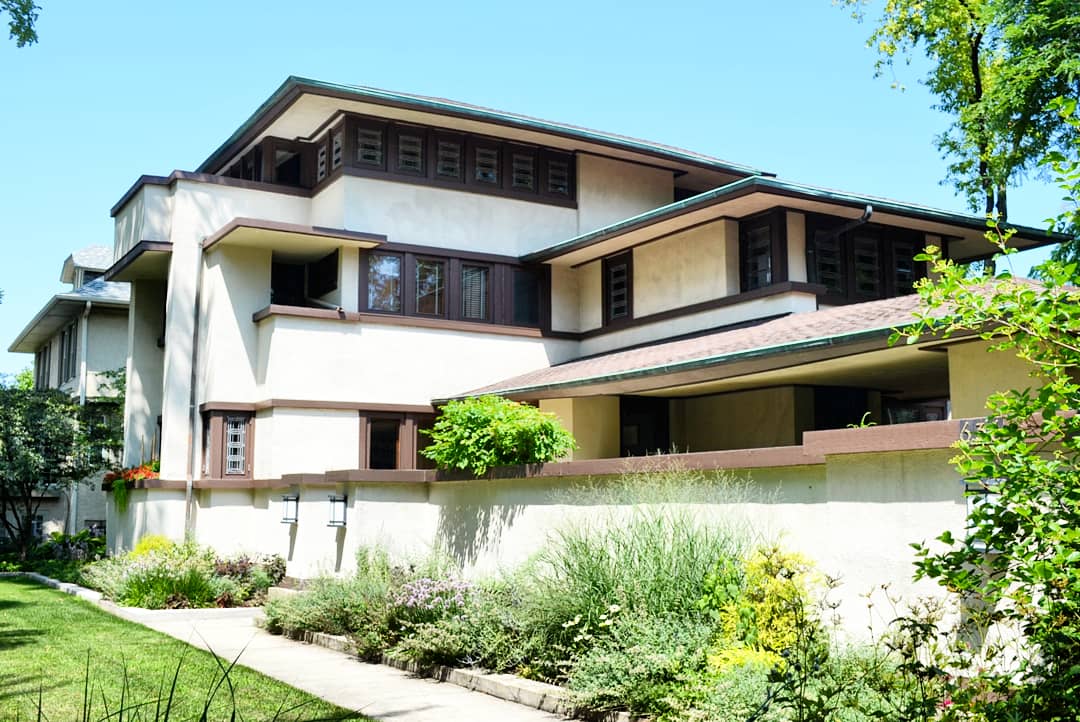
(12, 638)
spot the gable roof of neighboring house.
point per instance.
(294, 87)
(95, 258)
(815, 330)
(62, 307)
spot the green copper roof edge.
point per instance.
(715, 195)
(434, 105)
(697, 363)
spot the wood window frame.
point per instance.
(439, 136)
(365, 271)
(215, 447)
(509, 151)
(396, 130)
(353, 126)
(626, 257)
(474, 144)
(886, 238)
(776, 219)
(458, 312)
(408, 442)
(411, 263)
(546, 157)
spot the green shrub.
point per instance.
(152, 543)
(480, 433)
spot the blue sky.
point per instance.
(116, 90)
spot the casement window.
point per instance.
(475, 292)
(449, 158)
(228, 444)
(337, 149)
(763, 250)
(430, 287)
(370, 145)
(409, 152)
(321, 163)
(618, 281)
(384, 282)
(864, 263)
(558, 178)
(521, 169)
(392, 440)
(451, 288)
(485, 163)
(68, 352)
(42, 368)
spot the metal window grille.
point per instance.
(474, 292)
(235, 445)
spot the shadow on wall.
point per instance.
(468, 524)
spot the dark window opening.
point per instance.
(384, 282)
(369, 146)
(383, 438)
(643, 426)
(322, 275)
(410, 152)
(837, 407)
(89, 276)
(287, 284)
(618, 272)
(287, 167)
(526, 297)
(558, 177)
(486, 165)
(523, 171)
(865, 263)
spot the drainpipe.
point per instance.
(189, 475)
(853, 224)
(84, 327)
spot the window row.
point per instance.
(387, 441)
(451, 288)
(69, 352)
(42, 367)
(414, 154)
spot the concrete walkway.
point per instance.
(373, 689)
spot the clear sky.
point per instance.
(115, 90)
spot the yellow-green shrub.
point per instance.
(152, 543)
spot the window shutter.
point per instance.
(474, 292)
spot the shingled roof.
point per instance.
(796, 332)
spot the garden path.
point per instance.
(381, 692)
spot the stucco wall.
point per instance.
(146, 217)
(737, 420)
(594, 422)
(680, 270)
(302, 358)
(294, 441)
(422, 215)
(149, 511)
(106, 348)
(855, 515)
(611, 190)
(975, 373)
(144, 370)
(565, 301)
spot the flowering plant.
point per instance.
(425, 599)
(120, 478)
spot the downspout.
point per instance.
(84, 335)
(861, 220)
(189, 475)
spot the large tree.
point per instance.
(22, 17)
(43, 451)
(995, 66)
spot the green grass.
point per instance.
(45, 636)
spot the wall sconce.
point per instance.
(337, 510)
(290, 508)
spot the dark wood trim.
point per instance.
(344, 405)
(179, 175)
(450, 185)
(296, 228)
(441, 252)
(776, 289)
(226, 406)
(380, 476)
(133, 255)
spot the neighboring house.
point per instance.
(349, 258)
(77, 339)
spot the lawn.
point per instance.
(45, 637)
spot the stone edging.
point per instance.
(66, 587)
(508, 687)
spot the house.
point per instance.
(349, 258)
(79, 341)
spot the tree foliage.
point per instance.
(996, 65)
(480, 433)
(1020, 560)
(43, 451)
(22, 18)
